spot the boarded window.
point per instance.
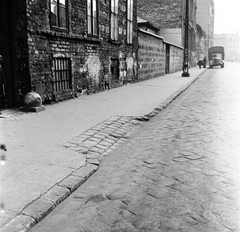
(62, 74)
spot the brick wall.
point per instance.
(164, 13)
(151, 56)
(90, 57)
(20, 51)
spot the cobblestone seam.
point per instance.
(94, 143)
(103, 138)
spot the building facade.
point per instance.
(231, 44)
(169, 16)
(63, 47)
(201, 44)
(205, 18)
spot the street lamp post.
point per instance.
(185, 58)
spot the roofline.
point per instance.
(159, 37)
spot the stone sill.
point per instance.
(33, 109)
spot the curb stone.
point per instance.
(170, 99)
(41, 207)
(20, 223)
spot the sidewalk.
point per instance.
(51, 153)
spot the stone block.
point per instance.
(21, 223)
(56, 194)
(39, 209)
(72, 182)
(85, 172)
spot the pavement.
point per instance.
(179, 172)
(52, 152)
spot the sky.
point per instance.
(227, 16)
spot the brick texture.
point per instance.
(164, 13)
(151, 56)
(90, 56)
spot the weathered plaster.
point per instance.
(93, 64)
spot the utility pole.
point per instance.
(185, 58)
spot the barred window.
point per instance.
(92, 17)
(129, 20)
(62, 74)
(114, 19)
(58, 14)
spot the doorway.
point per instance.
(7, 100)
(115, 68)
(167, 59)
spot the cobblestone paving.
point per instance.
(95, 144)
(105, 137)
(179, 172)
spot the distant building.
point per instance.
(205, 18)
(231, 44)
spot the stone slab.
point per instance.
(21, 223)
(56, 194)
(39, 209)
(71, 182)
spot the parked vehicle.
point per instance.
(216, 56)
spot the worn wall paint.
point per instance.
(130, 67)
(93, 65)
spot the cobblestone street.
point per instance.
(178, 172)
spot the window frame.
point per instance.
(114, 31)
(92, 18)
(59, 28)
(129, 20)
(62, 74)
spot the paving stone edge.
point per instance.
(170, 99)
(42, 206)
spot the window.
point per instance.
(114, 19)
(61, 74)
(92, 17)
(58, 14)
(129, 20)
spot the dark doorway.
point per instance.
(115, 69)
(5, 51)
(167, 64)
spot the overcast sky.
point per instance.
(227, 16)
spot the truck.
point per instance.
(216, 56)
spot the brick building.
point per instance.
(62, 47)
(169, 16)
